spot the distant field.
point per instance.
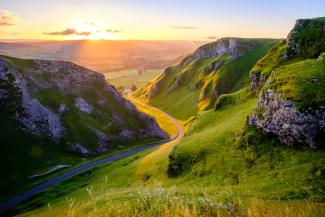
(104, 55)
(128, 77)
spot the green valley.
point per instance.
(253, 113)
(212, 70)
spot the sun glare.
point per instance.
(95, 36)
(92, 31)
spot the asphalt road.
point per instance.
(53, 181)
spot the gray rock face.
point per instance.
(63, 108)
(39, 120)
(64, 76)
(214, 66)
(35, 118)
(47, 88)
(306, 32)
(228, 46)
(294, 128)
(77, 147)
(154, 91)
(127, 133)
(104, 141)
(83, 106)
(151, 128)
(257, 81)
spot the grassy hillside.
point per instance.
(302, 82)
(23, 154)
(184, 91)
(252, 165)
(222, 166)
(219, 176)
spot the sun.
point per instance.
(92, 31)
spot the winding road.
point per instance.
(53, 181)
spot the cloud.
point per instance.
(68, 32)
(113, 31)
(6, 18)
(64, 32)
(183, 27)
(212, 37)
(84, 33)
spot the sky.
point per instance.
(152, 19)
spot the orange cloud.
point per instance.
(6, 18)
(64, 32)
(84, 33)
(68, 32)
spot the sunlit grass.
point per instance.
(139, 186)
(153, 165)
(172, 201)
(129, 77)
(163, 121)
(302, 82)
(216, 181)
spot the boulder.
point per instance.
(77, 147)
(294, 128)
(83, 105)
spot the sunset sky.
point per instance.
(155, 20)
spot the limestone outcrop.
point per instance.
(280, 117)
(224, 46)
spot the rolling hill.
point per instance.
(213, 69)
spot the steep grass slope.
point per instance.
(252, 165)
(213, 69)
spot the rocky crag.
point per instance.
(294, 128)
(232, 47)
(70, 104)
(290, 84)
